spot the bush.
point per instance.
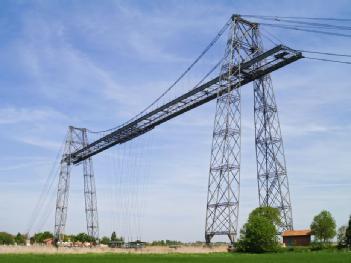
(341, 237)
(348, 234)
(20, 239)
(82, 237)
(41, 236)
(259, 234)
(317, 246)
(6, 239)
(105, 240)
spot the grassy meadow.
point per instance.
(310, 257)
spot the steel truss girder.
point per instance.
(76, 139)
(271, 60)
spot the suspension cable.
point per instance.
(208, 47)
(324, 53)
(329, 60)
(300, 18)
(42, 199)
(309, 24)
(299, 28)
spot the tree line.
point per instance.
(39, 238)
(260, 233)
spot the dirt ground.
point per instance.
(82, 250)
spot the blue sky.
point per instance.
(96, 64)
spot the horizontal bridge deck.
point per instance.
(245, 73)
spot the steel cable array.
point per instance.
(282, 22)
(202, 54)
(300, 24)
(41, 210)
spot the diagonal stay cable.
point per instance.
(208, 47)
(301, 18)
(329, 60)
(298, 28)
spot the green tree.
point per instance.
(158, 243)
(113, 236)
(41, 236)
(272, 214)
(20, 239)
(341, 236)
(6, 239)
(172, 242)
(348, 234)
(105, 240)
(69, 238)
(260, 233)
(323, 227)
(83, 237)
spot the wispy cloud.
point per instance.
(12, 115)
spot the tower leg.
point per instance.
(90, 194)
(224, 175)
(63, 191)
(273, 185)
(272, 178)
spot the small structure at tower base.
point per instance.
(297, 237)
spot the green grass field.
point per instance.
(309, 257)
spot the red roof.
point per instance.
(292, 233)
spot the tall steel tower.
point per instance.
(224, 176)
(76, 139)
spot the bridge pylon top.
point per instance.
(238, 18)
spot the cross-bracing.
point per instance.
(244, 61)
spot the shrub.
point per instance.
(259, 234)
(41, 236)
(6, 239)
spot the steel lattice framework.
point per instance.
(76, 139)
(244, 62)
(224, 175)
(273, 185)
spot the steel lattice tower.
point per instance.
(224, 175)
(76, 139)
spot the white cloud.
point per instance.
(12, 115)
(40, 142)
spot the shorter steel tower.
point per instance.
(76, 139)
